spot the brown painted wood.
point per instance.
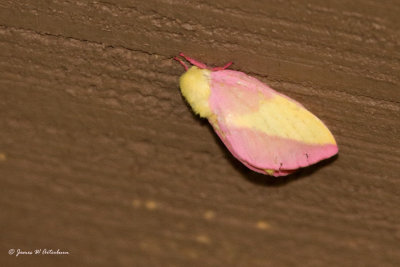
(101, 157)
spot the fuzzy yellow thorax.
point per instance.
(195, 87)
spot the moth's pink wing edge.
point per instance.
(276, 173)
(315, 153)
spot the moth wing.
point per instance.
(267, 131)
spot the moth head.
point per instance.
(195, 87)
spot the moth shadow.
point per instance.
(266, 180)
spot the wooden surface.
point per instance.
(101, 157)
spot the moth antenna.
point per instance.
(194, 62)
(182, 63)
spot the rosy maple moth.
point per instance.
(267, 131)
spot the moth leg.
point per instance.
(223, 67)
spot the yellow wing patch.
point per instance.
(278, 116)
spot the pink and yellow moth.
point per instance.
(267, 131)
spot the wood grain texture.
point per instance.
(101, 157)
